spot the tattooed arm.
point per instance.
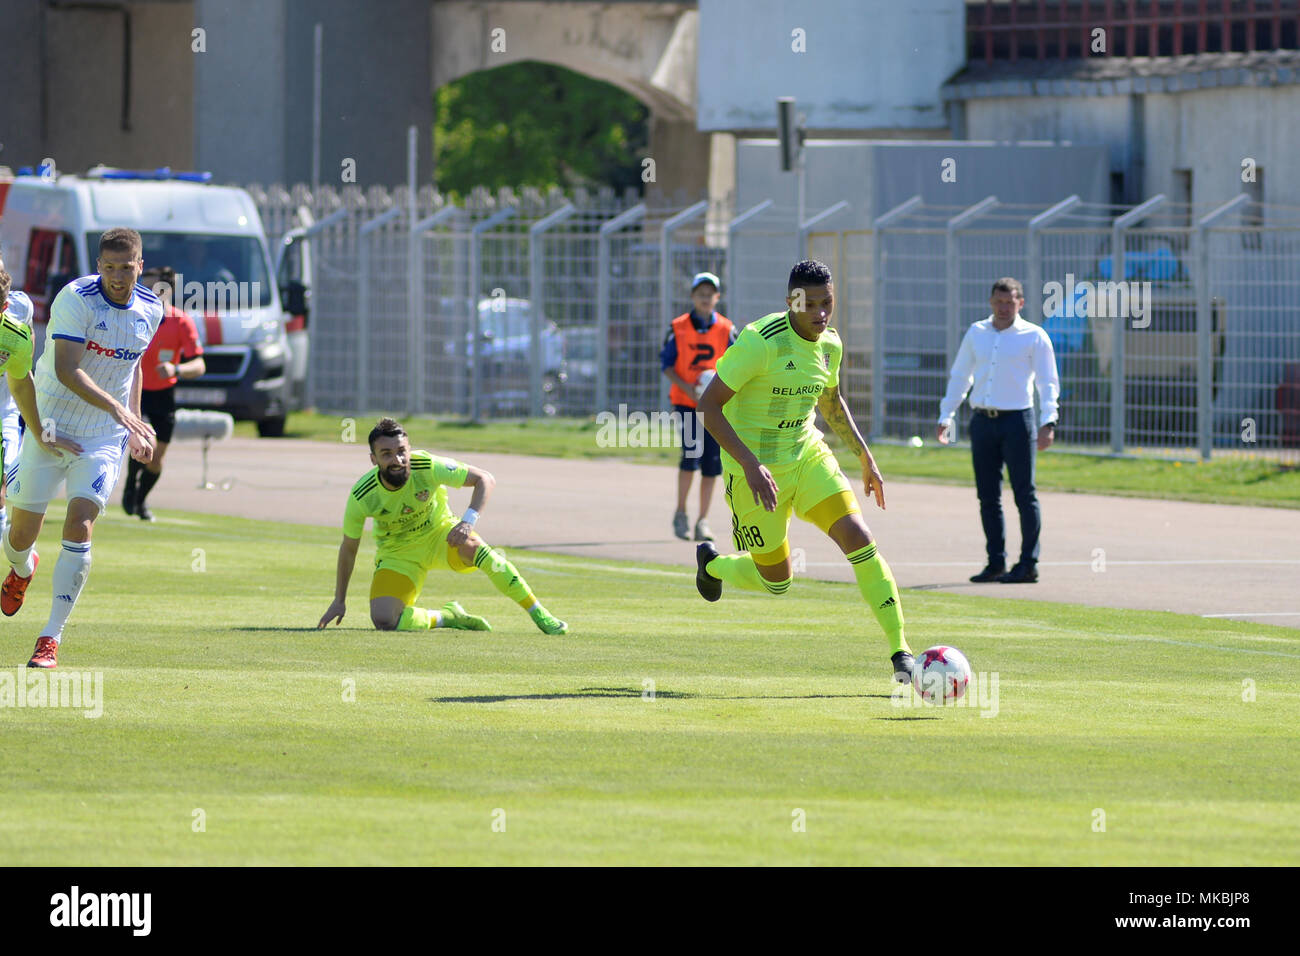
(835, 411)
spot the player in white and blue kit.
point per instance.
(88, 386)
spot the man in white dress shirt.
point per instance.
(1003, 357)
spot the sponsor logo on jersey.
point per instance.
(407, 509)
(798, 390)
(127, 355)
(792, 423)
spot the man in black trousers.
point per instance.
(1000, 360)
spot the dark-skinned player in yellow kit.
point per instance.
(775, 462)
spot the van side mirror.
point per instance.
(293, 298)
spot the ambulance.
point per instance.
(212, 236)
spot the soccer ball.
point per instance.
(703, 381)
(941, 673)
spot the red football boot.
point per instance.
(46, 654)
(15, 589)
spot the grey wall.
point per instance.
(376, 84)
(20, 101)
(239, 96)
(253, 89)
(870, 64)
(876, 176)
(67, 101)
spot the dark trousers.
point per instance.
(1009, 439)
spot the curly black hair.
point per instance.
(385, 428)
(807, 274)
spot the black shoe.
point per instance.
(710, 588)
(143, 513)
(1021, 574)
(128, 499)
(903, 665)
(991, 572)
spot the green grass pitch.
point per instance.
(227, 737)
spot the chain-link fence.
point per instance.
(1176, 328)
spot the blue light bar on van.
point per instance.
(163, 172)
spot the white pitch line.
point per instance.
(1257, 614)
(1070, 564)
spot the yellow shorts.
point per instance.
(403, 577)
(813, 488)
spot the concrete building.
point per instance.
(1182, 96)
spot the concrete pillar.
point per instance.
(682, 159)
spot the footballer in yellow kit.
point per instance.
(415, 532)
(776, 463)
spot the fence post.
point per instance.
(1034, 252)
(415, 343)
(878, 313)
(730, 269)
(307, 234)
(536, 298)
(1119, 324)
(475, 283)
(1204, 326)
(607, 229)
(665, 271)
(952, 284)
(806, 227)
(363, 305)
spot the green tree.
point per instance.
(534, 124)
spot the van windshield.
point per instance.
(214, 274)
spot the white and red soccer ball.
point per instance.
(941, 674)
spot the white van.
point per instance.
(212, 236)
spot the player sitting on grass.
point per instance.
(406, 494)
(774, 460)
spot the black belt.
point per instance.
(995, 412)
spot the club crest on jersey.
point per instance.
(4, 357)
(422, 495)
(826, 361)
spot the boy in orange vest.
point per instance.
(694, 344)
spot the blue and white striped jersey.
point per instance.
(115, 336)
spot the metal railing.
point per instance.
(1176, 329)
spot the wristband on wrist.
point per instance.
(470, 517)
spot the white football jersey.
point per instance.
(115, 336)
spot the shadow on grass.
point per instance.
(587, 693)
(547, 545)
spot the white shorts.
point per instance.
(38, 475)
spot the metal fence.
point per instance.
(1176, 329)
